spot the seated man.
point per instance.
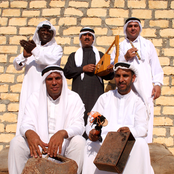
(125, 112)
(53, 123)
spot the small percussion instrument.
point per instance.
(102, 66)
(113, 154)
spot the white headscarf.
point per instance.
(132, 19)
(42, 110)
(138, 90)
(36, 37)
(79, 52)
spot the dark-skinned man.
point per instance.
(52, 122)
(143, 56)
(124, 111)
(37, 53)
(80, 67)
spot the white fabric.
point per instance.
(121, 110)
(70, 115)
(42, 56)
(19, 153)
(149, 71)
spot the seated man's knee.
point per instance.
(79, 141)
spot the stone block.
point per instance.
(166, 81)
(167, 32)
(162, 159)
(73, 12)
(8, 30)
(51, 12)
(72, 31)
(168, 110)
(8, 78)
(142, 14)
(159, 23)
(58, 3)
(11, 128)
(6, 138)
(27, 30)
(9, 96)
(64, 60)
(157, 110)
(168, 70)
(11, 12)
(2, 108)
(147, 32)
(4, 161)
(159, 131)
(14, 107)
(2, 69)
(18, 4)
(100, 31)
(35, 21)
(3, 88)
(119, 3)
(166, 90)
(30, 13)
(115, 21)
(2, 40)
(100, 3)
(96, 12)
(158, 4)
(37, 4)
(161, 121)
(118, 31)
(20, 78)
(105, 40)
(172, 131)
(14, 40)
(63, 40)
(4, 4)
(1, 127)
(163, 140)
(162, 14)
(8, 49)
(3, 57)
(68, 21)
(164, 61)
(171, 41)
(70, 49)
(15, 88)
(9, 117)
(119, 13)
(91, 22)
(3, 21)
(136, 4)
(77, 4)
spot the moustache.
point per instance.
(87, 39)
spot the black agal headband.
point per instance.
(51, 68)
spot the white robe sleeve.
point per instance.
(48, 55)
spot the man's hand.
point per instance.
(55, 143)
(123, 129)
(28, 45)
(26, 55)
(130, 53)
(93, 135)
(156, 91)
(89, 68)
(110, 68)
(34, 142)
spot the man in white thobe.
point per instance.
(150, 77)
(37, 53)
(52, 122)
(125, 111)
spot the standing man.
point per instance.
(81, 66)
(52, 122)
(125, 112)
(37, 54)
(142, 54)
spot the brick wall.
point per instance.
(19, 19)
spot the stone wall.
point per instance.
(19, 19)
